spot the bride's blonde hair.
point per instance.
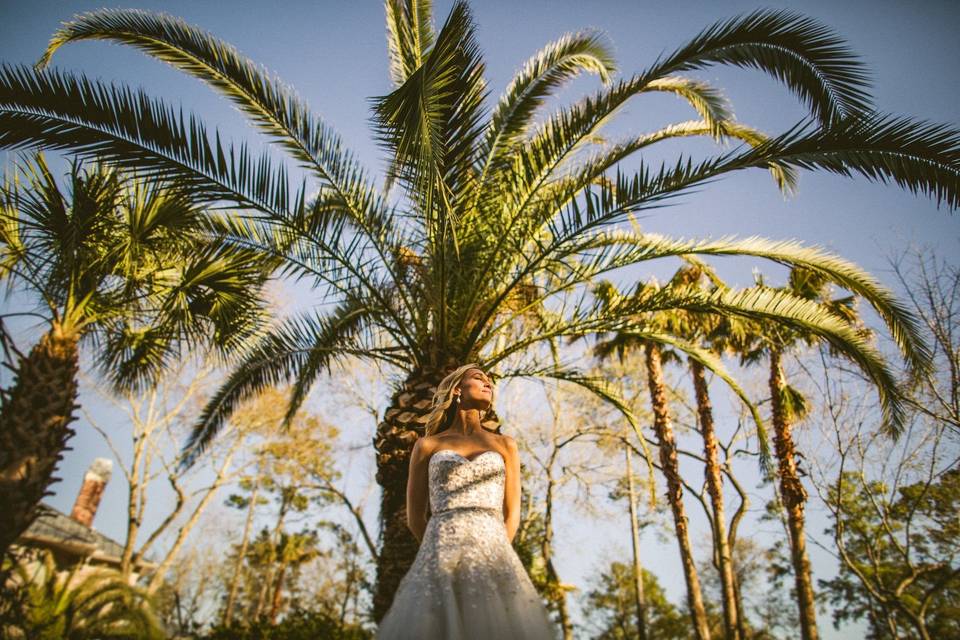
(440, 416)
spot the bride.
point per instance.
(466, 581)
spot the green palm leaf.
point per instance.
(273, 106)
(544, 73)
(629, 248)
(409, 36)
(123, 127)
(799, 51)
(285, 353)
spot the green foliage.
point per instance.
(129, 264)
(902, 560)
(84, 603)
(611, 610)
(297, 625)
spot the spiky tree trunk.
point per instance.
(639, 600)
(671, 471)
(794, 498)
(403, 422)
(715, 489)
(35, 427)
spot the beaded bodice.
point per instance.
(457, 482)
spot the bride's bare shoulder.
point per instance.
(506, 443)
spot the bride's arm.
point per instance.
(417, 490)
(511, 494)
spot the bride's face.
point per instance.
(476, 390)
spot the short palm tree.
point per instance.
(127, 265)
(500, 220)
(83, 603)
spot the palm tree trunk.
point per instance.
(639, 599)
(671, 470)
(715, 489)
(794, 498)
(34, 428)
(241, 555)
(403, 423)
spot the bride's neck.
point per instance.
(466, 422)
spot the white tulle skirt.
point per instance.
(466, 583)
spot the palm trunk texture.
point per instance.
(403, 423)
(671, 471)
(715, 489)
(794, 497)
(34, 429)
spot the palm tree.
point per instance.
(130, 267)
(679, 329)
(788, 406)
(699, 329)
(501, 221)
(84, 603)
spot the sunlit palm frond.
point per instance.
(545, 72)
(123, 127)
(430, 125)
(273, 106)
(780, 308)
(612, 249)
(281, 356)
(591, 171)
(799, 51)
(707, 101)
(409, 36)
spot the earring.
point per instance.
(457, 398)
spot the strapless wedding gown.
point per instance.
(466, 581)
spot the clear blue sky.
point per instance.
(334, 53)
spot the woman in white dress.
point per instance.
(466, 581)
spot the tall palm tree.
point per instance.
(501, 220)
(681, 329)
(130, 267)
(787, 406)
(701, 329)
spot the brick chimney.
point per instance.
(94, 482)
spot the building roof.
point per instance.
(55, 529)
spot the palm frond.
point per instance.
(921, 157)
(549, 69)
(122, 127)
(274, 107)
(771, 305)
(409, 36)
(706, 99)
(430, 124)
(615, 249)
(279, 357)
(797, 50)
